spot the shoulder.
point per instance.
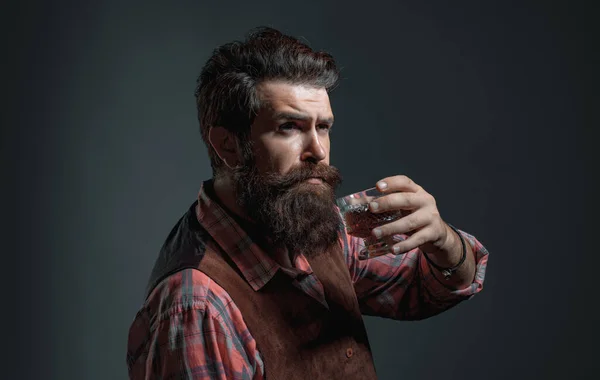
(188, 290)
(186, 297)
(189, 314)
(188, 300)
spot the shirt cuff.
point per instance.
(438, 290)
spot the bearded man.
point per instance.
(259, 279)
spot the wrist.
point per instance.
(451, 256)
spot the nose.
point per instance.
(314, 149)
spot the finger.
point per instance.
(398, 201)
(416, 240)
(397, 183)
(404, 225)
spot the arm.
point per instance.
(407, 286)
(403, 286)
(449, 256)
(199, 337)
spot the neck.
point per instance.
(224, 190)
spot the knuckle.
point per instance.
(411, 223)
(384, 201)
(426, 201)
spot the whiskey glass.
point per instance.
(360, 221)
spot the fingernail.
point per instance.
(396, 250)
(382, 185)
(374, 206)
(377, 233)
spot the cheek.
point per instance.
(277, 157)
(286, 159)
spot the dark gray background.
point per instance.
(488, 105)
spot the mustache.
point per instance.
(327, 173)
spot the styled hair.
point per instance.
(226, 93)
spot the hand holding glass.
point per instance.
(360, 221)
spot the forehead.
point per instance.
(281, 96)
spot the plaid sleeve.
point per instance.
(190, 329)
(403, 286)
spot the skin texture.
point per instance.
(292, 127)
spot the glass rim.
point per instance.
(341, 202)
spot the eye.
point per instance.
(325, 128)
(287, 126)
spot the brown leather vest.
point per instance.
(297, 337)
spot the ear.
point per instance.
(224, 143)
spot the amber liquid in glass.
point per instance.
(360, 221)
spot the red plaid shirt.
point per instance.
(189, 327)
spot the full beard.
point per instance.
(292, 213)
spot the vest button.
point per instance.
(349, 352)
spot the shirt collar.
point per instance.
(256, 266)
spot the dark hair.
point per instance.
(226, 91)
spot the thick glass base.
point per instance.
(373, 248)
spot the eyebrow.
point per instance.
(300, 117)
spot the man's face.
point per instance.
(286, 185)
(291, 127)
